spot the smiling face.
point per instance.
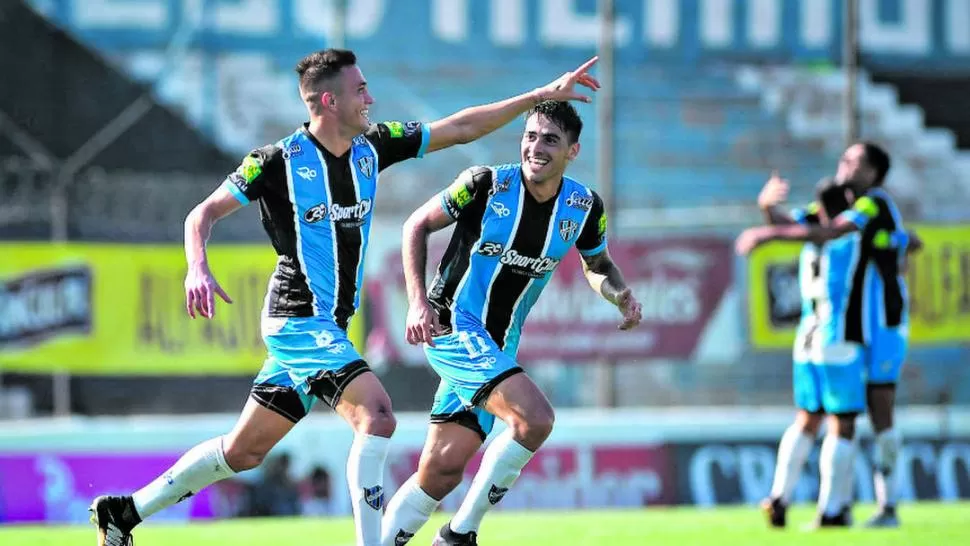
(546, 150)
(350, 100)
(335, 91)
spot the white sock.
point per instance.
(847, 489)
(365, 478)
(501, 464)
(793, 450)
(884, 473)
(833, 464)
(200, 466)
(407, 511)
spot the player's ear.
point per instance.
(328, 100)
(573, 151)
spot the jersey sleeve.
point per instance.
(868, 211)
(465, 198)
(258, 173)
(806, 215)
(592, 240)
(396, 141)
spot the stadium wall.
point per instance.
(594, 459)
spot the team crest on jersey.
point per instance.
(567, 229)
(366, 165)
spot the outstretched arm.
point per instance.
(814, 233)
(475, 122)
(864, 210)
(605, 278)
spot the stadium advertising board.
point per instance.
(938, 279)
(593, 459)
(117, 309)
(893, 33)
(604, 475)
(679, 282)
(59, 487)
(741, 472)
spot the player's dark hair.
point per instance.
(563, 114)
(831, 197)
(878, 158)
(317, 68)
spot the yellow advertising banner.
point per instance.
(938, 279)
(120, 309)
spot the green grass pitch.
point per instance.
(924, 523)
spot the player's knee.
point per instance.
(809, 423)
(880, 400)
(441, 472)
(532, 428)
(844, 425)
(377, 420)
(241, 457)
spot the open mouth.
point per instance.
(537, 163)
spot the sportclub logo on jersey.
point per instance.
(490, 248)
(527, 265)
(579, 201)
(346, 216)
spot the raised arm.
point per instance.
(475, 122)
(774, 193)
(865, 210)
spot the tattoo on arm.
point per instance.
(604, 276)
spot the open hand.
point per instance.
(200, 290)
(564, 87)
(630, 308)
(775, 191)
(422, 324)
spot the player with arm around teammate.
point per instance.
(514, 225)
(880, 289)
(315, 190)
(828, 371)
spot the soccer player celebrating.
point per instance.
(316, 190)
(877, 314)
(515, 223)
(828, 370)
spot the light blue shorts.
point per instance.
(308, 358)
(470, 365)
